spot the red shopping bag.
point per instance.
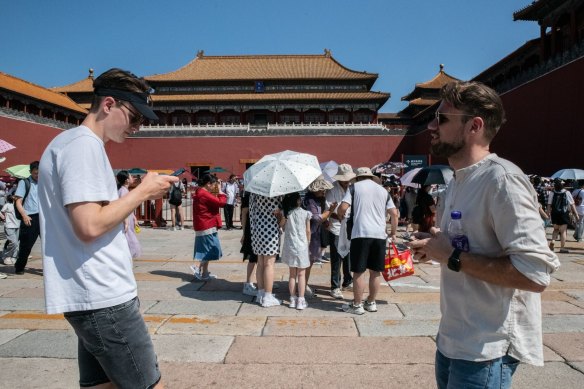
(398, 263)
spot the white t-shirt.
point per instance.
(80, 276)
(371, 204)
(11, 220)
(579, 193)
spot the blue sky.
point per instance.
(54, 43)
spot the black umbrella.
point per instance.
(435, 174)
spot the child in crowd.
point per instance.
(11, 227)
(296, 224)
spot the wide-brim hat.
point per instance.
(319, 184)
(344, 173)
(140, 101)
(363, 172)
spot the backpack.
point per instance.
(175, 197)
(27, 185)
(578, 199)
(560, 203)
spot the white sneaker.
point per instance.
(260, 296)
(9, 261)
(208, 276)
(196, 270)
(354, 309)
(293, 301)
(370, 307)
(270, 300)
(308, 293)
(301, 304)
(336, 293)
(249, 289)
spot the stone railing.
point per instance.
(19, 115)
(269, 129)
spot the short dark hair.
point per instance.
(121, 177)
(476, 99)
(33, 165)
(116, 78)
(206, 179)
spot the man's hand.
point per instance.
(434, 245)
(154, 186)
(27, 220)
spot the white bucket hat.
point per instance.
(364, 172)
(344, 173)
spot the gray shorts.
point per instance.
(114, 345)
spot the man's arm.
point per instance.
(498, 271)
(20, 208)
(393, 215)
(90, 220)
(342, 210)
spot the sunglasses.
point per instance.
(442, 118)
(135, 118)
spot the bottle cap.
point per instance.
(456, 215)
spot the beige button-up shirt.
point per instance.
(482, 321)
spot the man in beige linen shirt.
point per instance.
(490, 295)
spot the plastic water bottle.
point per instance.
(456, 233)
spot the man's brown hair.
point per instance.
(476, 99)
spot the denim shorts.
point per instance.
(457, 373)
(114, 346)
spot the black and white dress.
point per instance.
(265, 231)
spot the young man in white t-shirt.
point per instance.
(86, 260)
(369, 204)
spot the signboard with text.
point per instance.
(414, 161)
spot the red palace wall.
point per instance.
(545, 122)
(170, 153)
(30, 140)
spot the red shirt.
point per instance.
(206, 209)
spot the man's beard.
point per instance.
(446, 150)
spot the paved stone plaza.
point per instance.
(208, 334)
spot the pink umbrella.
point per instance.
(5, 146)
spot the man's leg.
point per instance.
(358, 287)
(373, 285)
(28, 237)
(579, 228)
(335, 265)
(347, 276)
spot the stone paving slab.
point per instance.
(570, 346)
(214, 325)
(36, 293)
(191, 348)
(313, 326)
(371, 325)
(7, 335)
(554, 375)
(560, 308)
(424, 311)
(562, 323)
(578, 366)
(33, 321)
(556, 296)
(42, 344)
(329, 350)
(39, 373)
(297, 375)
(196, 306)
(21, 304)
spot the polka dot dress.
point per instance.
(265, 232)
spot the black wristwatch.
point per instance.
(454, 260)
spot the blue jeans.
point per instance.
(458, 373)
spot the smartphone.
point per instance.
(406, 238)
(178, 172)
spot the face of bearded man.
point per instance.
(446, 150)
